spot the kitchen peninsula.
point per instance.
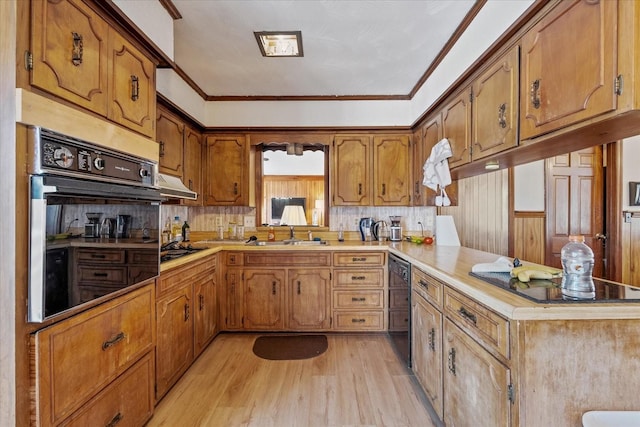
(500, 357)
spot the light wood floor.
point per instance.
(359, 381)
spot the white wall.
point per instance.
(529, 187)
(630, 169)
(280, 163)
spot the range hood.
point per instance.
(172, 187)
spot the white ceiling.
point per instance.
(351, 47)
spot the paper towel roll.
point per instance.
(446, 234)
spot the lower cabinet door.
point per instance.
(204, 312)
(476, 384)
(264, 299)
(128, 401)
(309, 299)
(427, 349)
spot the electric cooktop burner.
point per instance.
(549, 291)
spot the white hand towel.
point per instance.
(436, 167)
(501, 265)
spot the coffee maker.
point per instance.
(92, 228)
(395, 231)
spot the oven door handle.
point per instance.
(37, 247)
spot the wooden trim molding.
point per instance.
(171, 9)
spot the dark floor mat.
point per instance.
(290, 347)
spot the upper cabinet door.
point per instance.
(456, 127)
(192, 175)
(69, 43)
(495, 107)
(568, 66)
(392, 170)
(227, 169)
(131, 86)
(170, 136)
(351, 170)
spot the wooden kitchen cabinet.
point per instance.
(359, 291)
(77, 360)
(132, 86)
(371, 171)
(495, 106)
(476, 385)
(81, 58)
(264, 299)
(352, 157)
(569, 66)
(192, 174)
(456, 127)
(391, 171)
(232, 305)
(69, 49)
(186, 318)
(227, 171)
(309, 299)
(170, 137)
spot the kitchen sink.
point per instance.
(290, 242)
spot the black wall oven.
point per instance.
(94, 223)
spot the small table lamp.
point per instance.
(293, 215)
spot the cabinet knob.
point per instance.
(135, 88)
(77, 49)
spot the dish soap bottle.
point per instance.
(186, 232)
(271, 235)
(577, 266)
(176, 229)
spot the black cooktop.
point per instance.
(548, 291)
(177, 251)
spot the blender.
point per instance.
(395, 231)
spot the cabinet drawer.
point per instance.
(487, 327)
(128, 401)
(430, 288)
(107, 275)
(350, 259)
(359, 320)
(188, 273)
(307, 259)
(145, 256)
(358, 299)
(235, 258)
(370, 278)
(94, 256)
(76, 358)
(399, 320)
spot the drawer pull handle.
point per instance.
(235, 188)
(161, 153)
(113, 341)
(360, 299)
(135, 88)
(384, 189)
(76, 53)
(358, 277)
(100, 274)
(358, 320)
(452, 361)
(98, 256)
(115, 420)
(423, 284)
(186, 312)
(502, 115)
(432, 339)
(359, 189)
(298, 287)
(273, 288)
(359, 259)
(469, 316)
(201, 301)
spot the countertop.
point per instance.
(450, 264)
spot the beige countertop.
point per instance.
(450, 264)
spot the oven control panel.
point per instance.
(57, 154)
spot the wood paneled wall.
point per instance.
(482, 214)
(309, 186)
(529, 236)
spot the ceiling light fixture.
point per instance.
(279, 43)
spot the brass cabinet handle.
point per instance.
(298, 287)
(100, 274)
(99, 256)
(77, 50)
(273, 288)
(358, 299)
(452, 361)
(113, 341)
(358, 277)
(161, 154)
(535, 96)
(190, 184)
(502, 119)
(467, 315)
(135, 88)
(115, 420)
(359, 259)
(186, 312)
(432, 339)
(201, 301)
(360, 189)
(235, 188)
(384, 189)
(358, 320)
(423, 284)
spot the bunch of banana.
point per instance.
(525, 273)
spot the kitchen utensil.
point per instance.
(395, 231)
